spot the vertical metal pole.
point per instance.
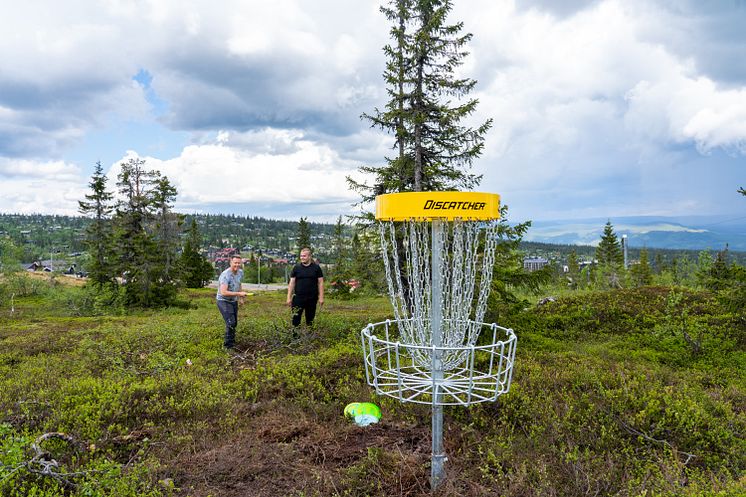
(624, 248)
(438, 457)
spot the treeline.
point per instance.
(39, 235)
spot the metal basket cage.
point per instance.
(414, 373)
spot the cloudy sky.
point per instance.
(601, 108)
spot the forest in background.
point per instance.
(39, 235)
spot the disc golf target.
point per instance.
(438, 250)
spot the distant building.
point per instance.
(222, 258)
(534, 263)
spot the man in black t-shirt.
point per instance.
(306, 287)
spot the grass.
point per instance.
(607, 399)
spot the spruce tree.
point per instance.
(196, 271)
(610, 258)
(166, 231)
(304, 234)
(98, 233)
(141, 249)
(609, 251)
(641, 273)
(720, 272)
(434, 148)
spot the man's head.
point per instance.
(305, 256)
(236, 262)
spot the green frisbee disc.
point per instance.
(366, 409)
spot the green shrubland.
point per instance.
(625, 392)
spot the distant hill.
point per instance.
(689, 233)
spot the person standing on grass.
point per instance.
(228, 298)
(306, 288)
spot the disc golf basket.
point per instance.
(439, 251)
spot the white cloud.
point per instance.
(294, 170)
(54, 170)
(40, 187)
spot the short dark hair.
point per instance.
(236, 256)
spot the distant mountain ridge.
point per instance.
(685, 232)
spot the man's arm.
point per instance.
(227, 293)
(291, 290)
(321, 290)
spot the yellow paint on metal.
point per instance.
(437, 205)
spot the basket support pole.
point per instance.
(438, 457)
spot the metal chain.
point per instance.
(461, 261)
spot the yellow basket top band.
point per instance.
(437, 205)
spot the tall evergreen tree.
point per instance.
(304, 234)
(98, 205)
(610, 258)
(434, 148)
(609, 251)
(140, 254)
(167, 228)
(641, 272)
(720, 272)
(196, 271)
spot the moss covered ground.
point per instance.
(609, 397)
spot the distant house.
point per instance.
(34, 266)
(534, 263)
(39, 266)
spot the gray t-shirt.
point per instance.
(233, 281)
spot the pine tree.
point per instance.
(434, 148)
(304, 234)
(166, 231)
(141, 250)
(720, 272)
(610, 258)
(196, 271)
(641, 273)
(99, 233)
(609, 251)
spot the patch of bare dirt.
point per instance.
(284, 450)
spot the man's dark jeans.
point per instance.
(229, 311)
(304, 305)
